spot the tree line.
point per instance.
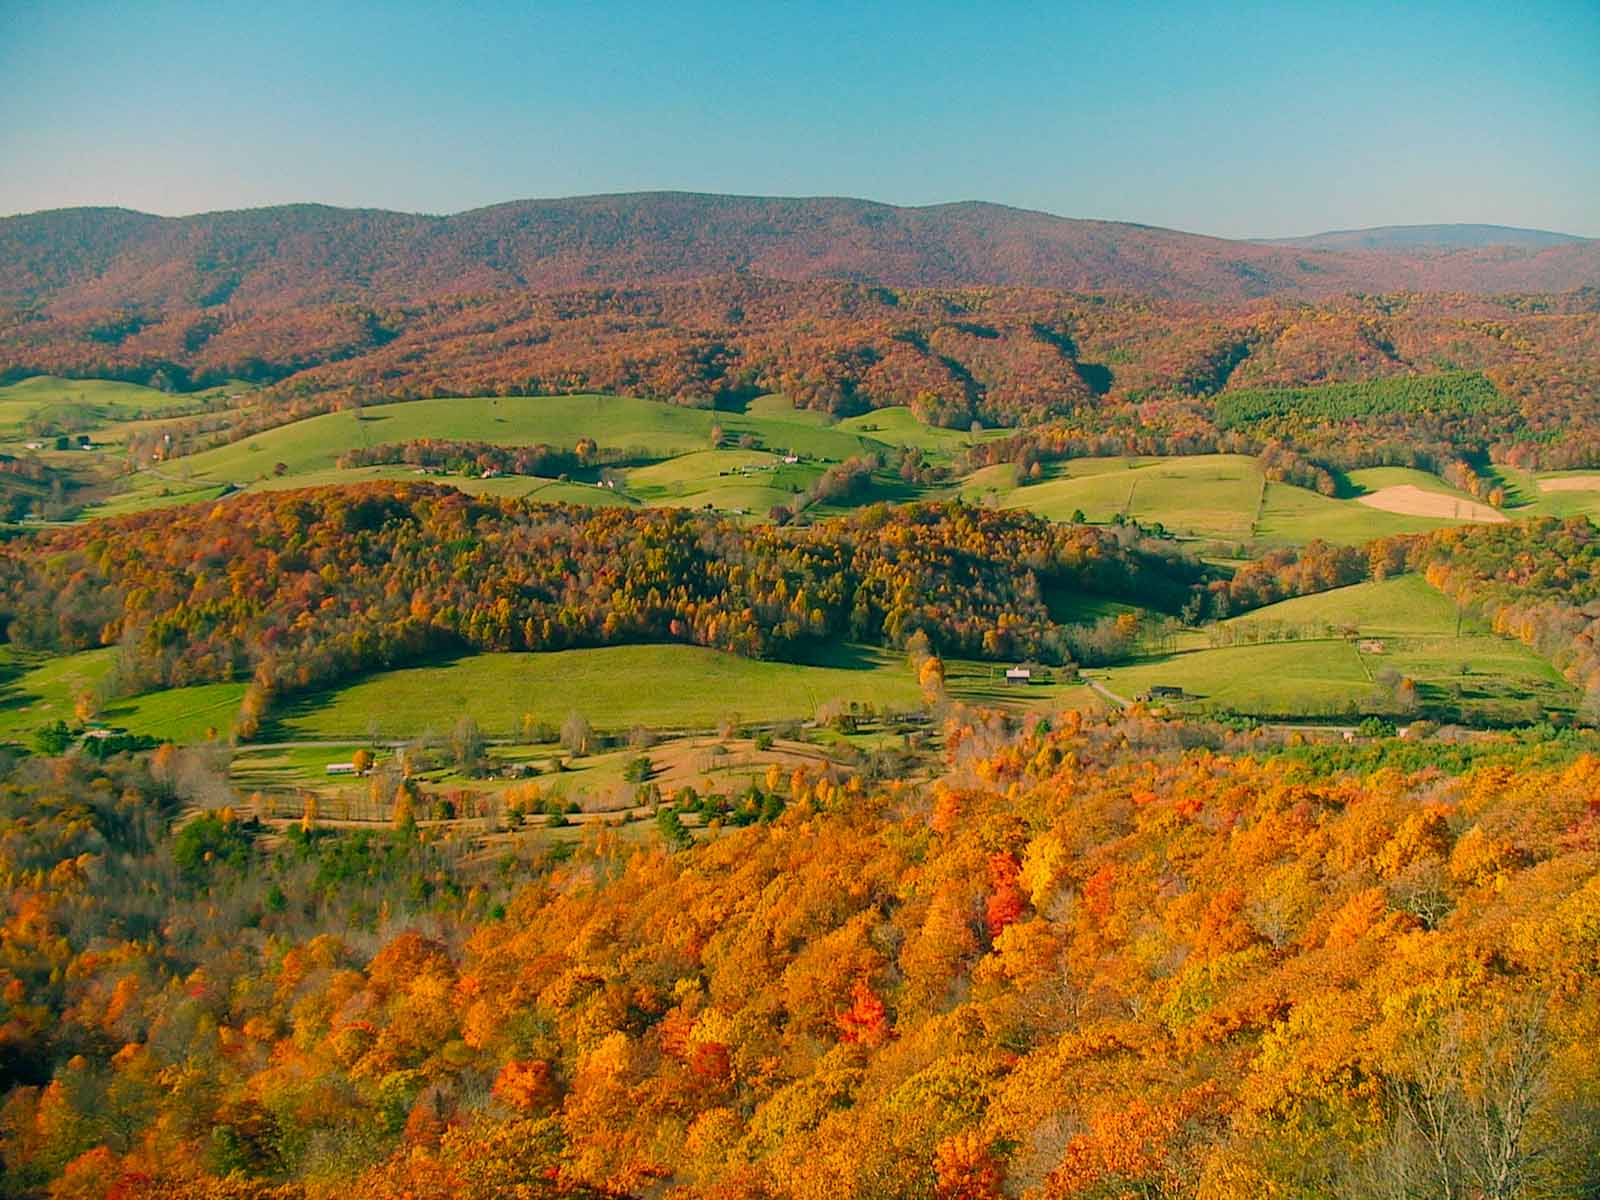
(297, 590)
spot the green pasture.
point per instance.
(899, 426)
(1298, 515)
(751, 481)
(617, 687)
(1209, 495)
(308, 450)
(1292, 662)
(1223, 496)
(1403, 605)
(107, 400)
(38, 690)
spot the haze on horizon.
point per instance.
(1236, 120)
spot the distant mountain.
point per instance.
(90, 260)
(1404, 238)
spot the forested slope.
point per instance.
(1087, 963)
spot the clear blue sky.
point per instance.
(1229, 119)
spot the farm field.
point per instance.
(750, 481)
(93, 402)
(1402, 605)
(1471, 677)
(1319, 674)
(1298, 515)
(899, 426)
(36, 690)
(594, 784)
(1211, 495)
(1556, 493)
(308, 450)
(519, 486)
(1221, 496)
(617, 687)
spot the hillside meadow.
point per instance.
(307, 450)
(1215, 496)
(1341, 654)
(615, 688)
(38, 690)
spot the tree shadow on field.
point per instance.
(280, 725)
(841, 656)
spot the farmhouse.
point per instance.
(1019, 674)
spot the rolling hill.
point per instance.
(275, 258)
(1430, 238)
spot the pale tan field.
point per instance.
(1571, 483)
(1412, 501)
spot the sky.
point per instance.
(1237, 120)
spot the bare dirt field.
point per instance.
(1571, 483)
(1413, 501)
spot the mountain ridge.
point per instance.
(285, 256)
(1436, 237)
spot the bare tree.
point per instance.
(1465, 1118)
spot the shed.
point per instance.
(344, 768)
(1019, 674)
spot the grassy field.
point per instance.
(1298, 515)
(1552, 493)
(1475, 676)
(308, 450)
(617, 687)
(1209, 495)
(1403, 605)
(899, 426)
(750, 481)
(103, 400)
(1222, 497)
(1324, 675)
(37, 690)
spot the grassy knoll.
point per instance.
(1298, 515)
(1403, 605)
(309, 449)
(899, 426)
(1477, 677)
(1208, 495)
(617, 687)
(37, 690)
(751, 481)
(93, 402)
(1317, 674)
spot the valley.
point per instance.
(958, 705)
